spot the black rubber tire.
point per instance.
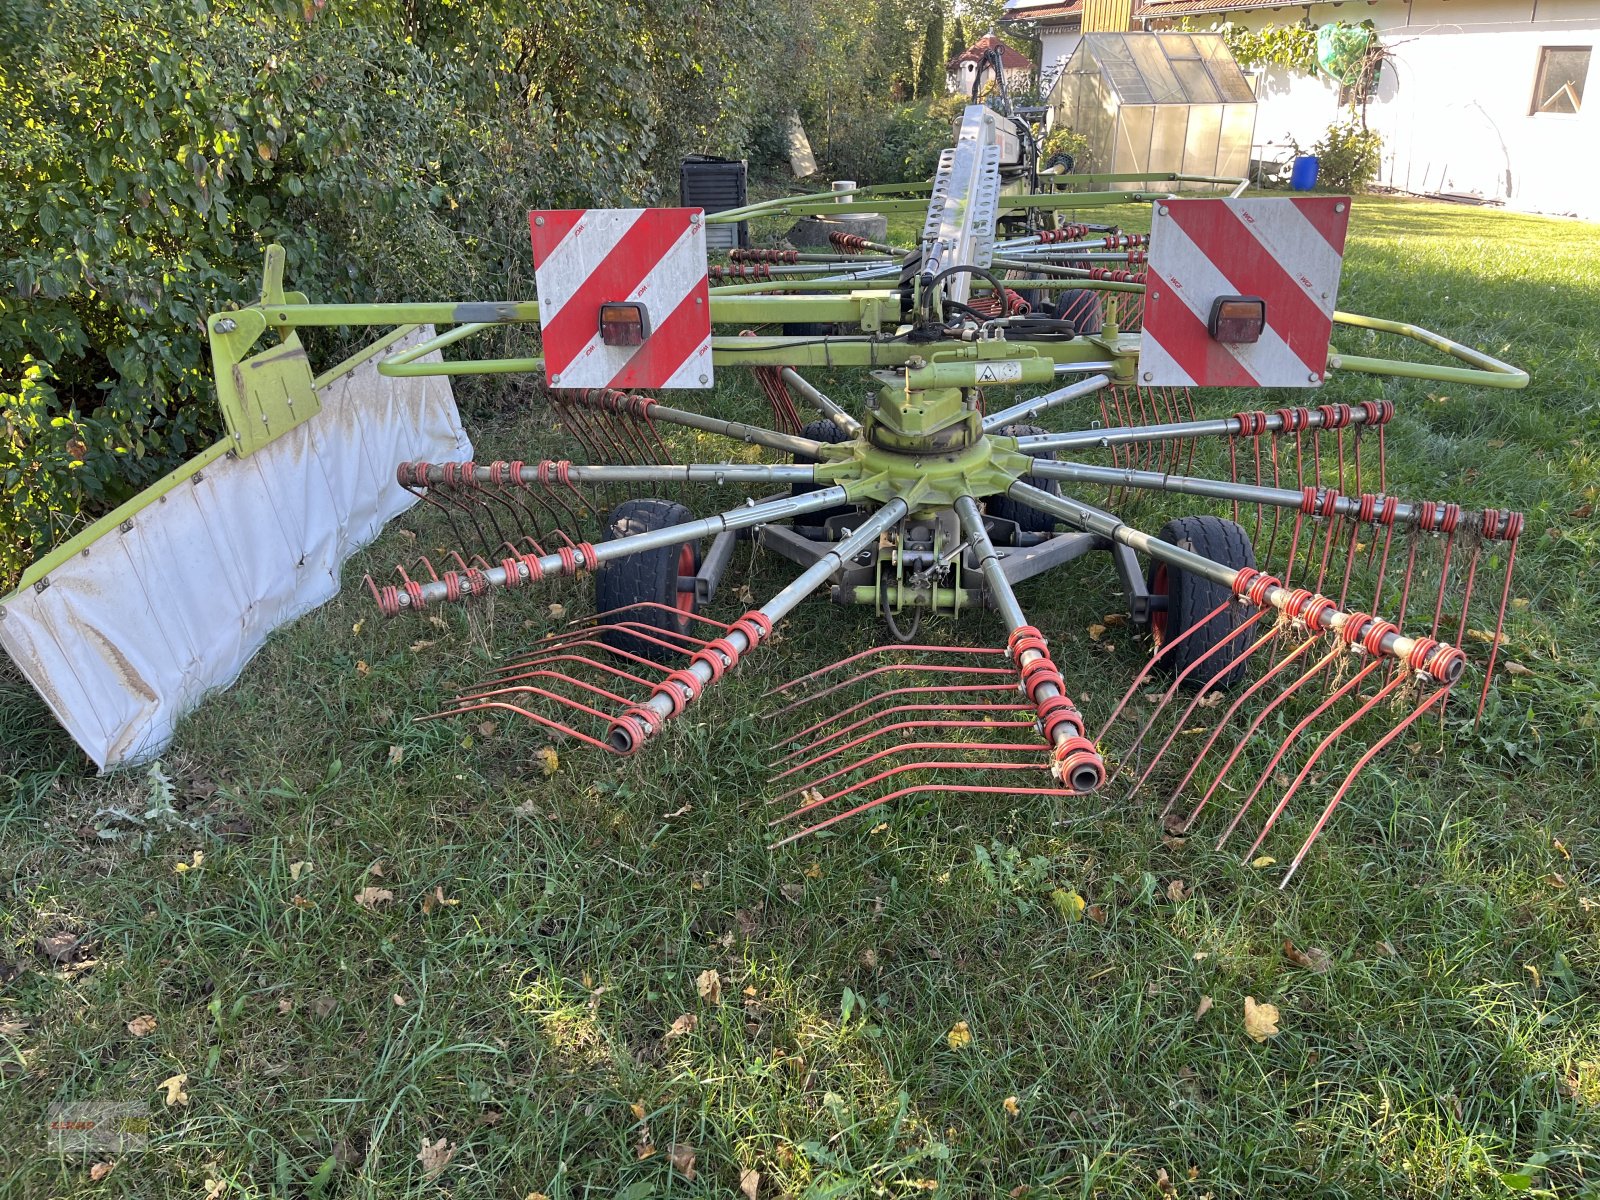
(1190, 598)
(1082, 308)
(649, 576)
(822, 430)
(1028, 519)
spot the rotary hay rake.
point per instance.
(1314, 625)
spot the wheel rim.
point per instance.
(1159, 586)
(684, 602)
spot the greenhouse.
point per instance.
(1157, 102)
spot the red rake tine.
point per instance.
(1316, 755)
(933, 690)
(1260, 718)
(1201, 691)
(903, 768)
(1361, 763)
(1340, 693)
(898, 709)
(897, 727)
(1233, 709)
(922, 668)
(876, 650)
(537, 719)
(1165, 648)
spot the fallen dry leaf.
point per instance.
(557, 611)
(1177, 892)
(435, 1157)
(792, 891)
(814, 871)
(1266, 860)
(1012, 1105)
(1484, 636)
(174, 1089)
(880, 827)
(100, 1170)
(684, 1024)
(397, 755)
(196, 861)
(1312, 960)
(142, 1026)
(60, 948)
(1164, 1183)
(399, 1000)
(420, 645)
(549, 760)
(362, 668)
(709, 985)
(1556, 880)
(297, 869)
(372, 897)
(1260, 1020)
(1520, 602)
(1202, 1008)
(678, 812)
(285, 1005)
(486, 728)
(682, 1159)
(1096, 632)
(1114, 619)
(1560, 848)
(438, 622)
(436, 899)
(1096, 913)
(1515, 668)
(750, 1182)
(960, 1035)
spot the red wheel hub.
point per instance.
(684, 601)
(1158, 616)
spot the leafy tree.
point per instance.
(930, 67)
(958, 39)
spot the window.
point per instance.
(1558, 87)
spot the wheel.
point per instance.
(1029, 520)
(823, 430)
(651, 576)
(1189, 598)
(1080, 307)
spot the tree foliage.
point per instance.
(149, 152)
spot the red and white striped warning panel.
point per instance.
(646, 268)
(1240, 292)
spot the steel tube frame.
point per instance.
(1124, 435)
(740, 473)
(822, 403)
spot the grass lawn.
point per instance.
(545, 1022)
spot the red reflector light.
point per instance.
(624, 324)
(1237, 319)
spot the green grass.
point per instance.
(1454, 1041)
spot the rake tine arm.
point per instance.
(1320, 615)
(823, 404)
(1074, 759)
(553, 472)
(1244, 424)
(1039, 404)
(682, 687)
(569, 560)
(648, 408)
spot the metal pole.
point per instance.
(1032, 408)
(813, 577)
(737, 430)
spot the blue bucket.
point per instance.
(1304, 176)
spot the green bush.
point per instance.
(148, 154)
(1348, 157)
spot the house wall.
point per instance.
(1453, 101)
(1057, 42)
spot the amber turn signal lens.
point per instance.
(1237, 320)
(624, 324)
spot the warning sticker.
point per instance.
(1000, 372)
